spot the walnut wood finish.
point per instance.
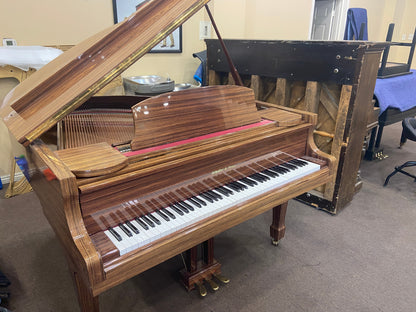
(43, 99)
(92, 160)
(220, 108)
(97, 265)
(278, 227)
(108, 193)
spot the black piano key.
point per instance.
(194, 202)
(280, 169)
(181, 207)
(270, 173)
(298, 162)
(162, 215)
(212, 195)
(206, 197)
(242, 186)
(289, 166)
(215, 192)
(168, 213)
(233, 187)
(236, 186)
(141, 223)
(115, 234)
(153, 219)
(264, 177)
(200, 201)
(148, 221)
(132, 227)
(257, 178)
(177, 210)
(249, 181)
(125, 230)
(189, 207)
(222, 191)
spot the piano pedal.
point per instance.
(201, 288)
(214, 286)
(222, 278)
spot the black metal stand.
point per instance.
(400, 169)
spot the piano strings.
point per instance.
(84, 127)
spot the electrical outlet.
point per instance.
(410, 37)
(204, 30)
(9, 42)
(404, 37)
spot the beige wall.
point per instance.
(383, 12)
(51, 22)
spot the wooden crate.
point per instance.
(333, 79)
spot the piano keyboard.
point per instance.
(147, 228)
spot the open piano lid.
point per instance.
(62, 85)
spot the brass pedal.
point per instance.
(222, 278)
(213, 285)
(202, 290)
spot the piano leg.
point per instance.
(277, 229)
(87, 301)
(198, 271)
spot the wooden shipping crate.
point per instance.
(333, 79)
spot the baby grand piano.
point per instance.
(187, 165)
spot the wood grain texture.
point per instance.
(176, 116)
(56, 188)
(339, 138)
(282, 92)
(92, 160)
(361, 103)
(132, 264)
(107, 193)
(282, 118)
(282, 68)
(278, 226)
(313, 90)
(65, 83)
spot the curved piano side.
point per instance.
(57, 191)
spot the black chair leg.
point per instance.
(399, 169)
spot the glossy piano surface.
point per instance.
(170, 179)
(203, 160)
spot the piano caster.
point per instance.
(275, 242)
(201, 288)
(221, 278)
(214, 286)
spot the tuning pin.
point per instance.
(222, 278)
(201, 288)
(213, 285)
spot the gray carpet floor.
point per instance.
(362, 259)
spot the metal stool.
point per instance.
(409, 132)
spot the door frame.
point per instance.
(340, 19)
